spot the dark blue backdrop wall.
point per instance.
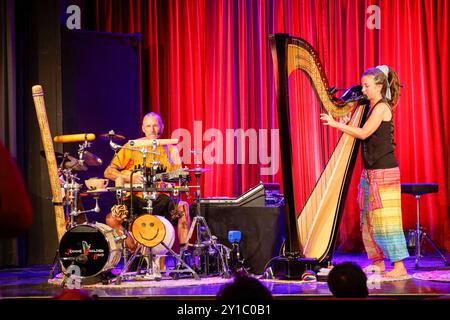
(100, 92)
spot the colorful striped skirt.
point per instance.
(379, 199)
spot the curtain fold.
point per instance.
(207, 69)
(8, 247)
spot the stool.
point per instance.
(417, 190)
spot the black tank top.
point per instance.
(378, 150)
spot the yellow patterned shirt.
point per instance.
(167, 157)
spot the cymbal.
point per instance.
(111, 135)
(201, 170)
(69, 161)
(75, 164)
(91, 159)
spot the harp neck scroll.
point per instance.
(300, 55)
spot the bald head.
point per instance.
(152, 125)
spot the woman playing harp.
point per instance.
(379, 195)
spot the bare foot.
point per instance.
(375, 267)
(398, 271)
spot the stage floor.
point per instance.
(32, 283)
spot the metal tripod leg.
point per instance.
(139, 249)
(181, 261)
(418, 254)
(56, 263)
(185, 247)
(225, 270)
(197, 222)
(190, 233)
(420, 235)
(431, 242)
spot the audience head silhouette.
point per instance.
(244, 287)
(348, 280)
(74, 294)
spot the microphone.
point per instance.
(75, 137)
(352, 93)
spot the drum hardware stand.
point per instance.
(71, 187)
(144, 152)
(57, 261)
(147, 253)
(418, 235)
(150, 273)
(74, 187)
(149, 197)
(198, 223)
(56, 264)
(237, 263)
(74, 199)
(152, 196)
(119, 196)
(81, 148)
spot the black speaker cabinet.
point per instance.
(262, 231)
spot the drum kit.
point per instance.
(90, 251)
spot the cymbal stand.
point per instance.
(73, 189)
(149, 197)
(120, 195)
(81, 148)
(198, 222)
(70, 189)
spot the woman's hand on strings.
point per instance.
(328, 120)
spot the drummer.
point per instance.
(168, 160)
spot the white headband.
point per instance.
(385, 69)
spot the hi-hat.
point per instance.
(69, 161)
(111, 135)
(91, 159)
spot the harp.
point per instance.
(311, 235)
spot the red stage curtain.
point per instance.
(207, 68)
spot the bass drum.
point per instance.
(169, 239)
(94, 248)
(150, 230)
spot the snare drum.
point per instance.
(95, 248)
